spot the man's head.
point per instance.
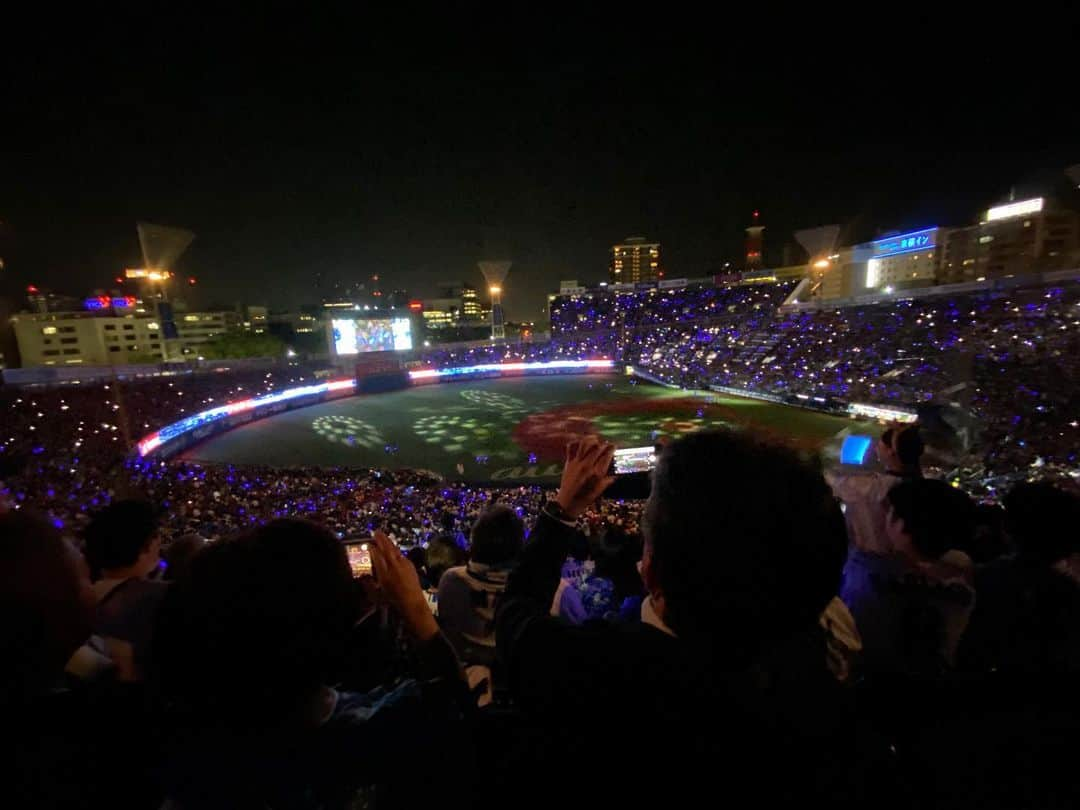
(1042, 521)
(743, 540)
(46, 604)
(180, 552)
(926, 518)
(441, 555)
(257, 624)
(900, 448)
(123, 538)
(497, 536)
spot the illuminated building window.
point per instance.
(48, 330)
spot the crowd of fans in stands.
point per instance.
(753, 638)
(1008, 359)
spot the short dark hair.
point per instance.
(256, 624)
(497, 536)
(179, 554)
(442, 554)
(746, 541)
(43, 619)
(1041, 520)
(938, 517)
(906, 442)
(117, 535)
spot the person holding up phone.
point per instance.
(249, 644)
(899, 453)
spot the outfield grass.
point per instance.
(499, 429)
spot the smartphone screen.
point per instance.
(359, 559)
(855, 449)
(633, 460)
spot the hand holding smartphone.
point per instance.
(359, 553)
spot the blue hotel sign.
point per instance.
(904, 243)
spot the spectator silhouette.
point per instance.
(724, 679)
(248, 645)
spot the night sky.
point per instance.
(292, 160)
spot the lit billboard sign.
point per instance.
(904, 243)
(99, 302)
(1016, 209)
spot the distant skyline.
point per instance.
(288, 164)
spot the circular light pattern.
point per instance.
(492, 399)
(467, 432)
(639, 430)
(348, 430)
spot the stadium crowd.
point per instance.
(1008, 360)
(752, 640)
(915, 650)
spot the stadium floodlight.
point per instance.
(162, 246)
(818, 242)
(494, 274)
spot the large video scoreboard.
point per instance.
(350, 336)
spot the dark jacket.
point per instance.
(626, 712)
(1026, 620)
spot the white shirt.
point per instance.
(863, 495)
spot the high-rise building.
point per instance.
(636, 259)
(470, 303)
(1015, 238)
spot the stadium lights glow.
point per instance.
(551, 365)
(166, 434)
(176, 429)
(152, 275)
(1016, 209)
(881, 412)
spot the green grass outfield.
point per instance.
(511, 430)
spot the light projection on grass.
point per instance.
(348, 430)
(493, 400)
(475, 434)
(630, 430)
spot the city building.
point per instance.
(439, 313)
(893, 262)
(1014, 238)
(901, 260)
(457, 302)
(635, 260)
(298, 323)
(470, 303)
(86, 338)
(195, 329)
(256, 320)
(48, 301)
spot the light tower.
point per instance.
(494, 275)
(754, 240)
(161, 246)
